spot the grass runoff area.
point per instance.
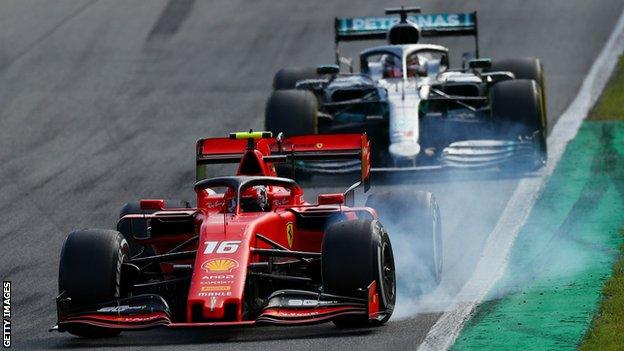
(610, 106)
(607, 328)
(563, 288)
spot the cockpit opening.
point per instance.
(388, 64)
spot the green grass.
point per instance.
(607, 329)
(611, 103)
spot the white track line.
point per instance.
(443, 334)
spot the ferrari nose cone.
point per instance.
(404, 150)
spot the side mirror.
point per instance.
(152, 204)
(327, 69)
(480, 63)
(495, 77)
(466, 57)
(432, 67)
(331, 199)
(347, 62)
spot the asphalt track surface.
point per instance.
(101, 102)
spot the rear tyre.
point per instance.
(414, 217)
(293, 112)
(287, 78)
(90, 272)
(517, 110)
(522, 68)
(525, 68)
(131, 228)
(370, 258)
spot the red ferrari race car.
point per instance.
(252, 252)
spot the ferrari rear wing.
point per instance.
(325, 147)
(430, 25)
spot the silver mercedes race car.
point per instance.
(418, 111)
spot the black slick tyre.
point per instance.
(525, 68)
(517, 111)
(354, 254)
(90, 272)
(522, 68)
(287, 78)
(293, 112)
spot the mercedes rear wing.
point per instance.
(430, 25)
(324, 147)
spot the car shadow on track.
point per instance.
(163, 337)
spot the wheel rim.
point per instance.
(388, 278)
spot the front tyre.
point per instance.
(525, 68)
(354, 254)
(90, 272)
(517, 109)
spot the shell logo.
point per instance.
(219, 265)
(319, 145)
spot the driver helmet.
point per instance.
(414, 67)
(391, 66)
(229, 201)
(255, 199)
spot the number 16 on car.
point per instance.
(221, 247)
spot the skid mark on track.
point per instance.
(49, 33)
(26, 195)
(15, 270)
(171, 19)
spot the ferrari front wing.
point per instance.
(285, 307)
